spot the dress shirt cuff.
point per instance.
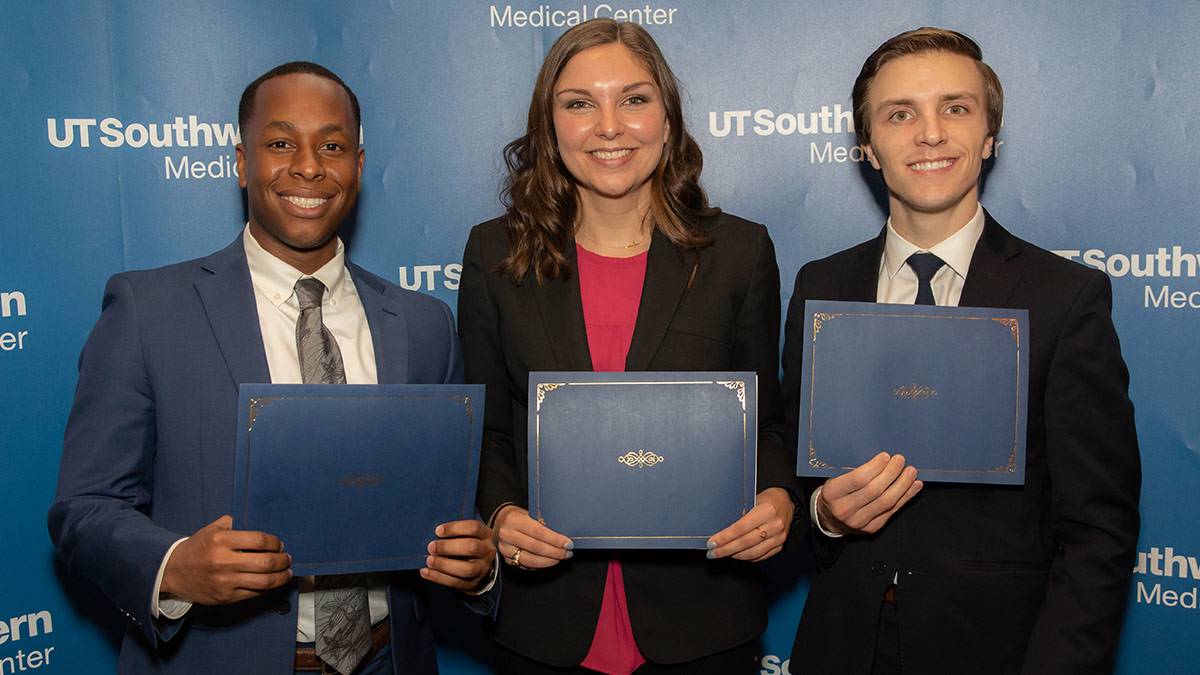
(816, 519)
(491, 579)
(165, 605)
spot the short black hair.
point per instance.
(246, 105)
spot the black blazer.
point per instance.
(1030, 579)
(682, 606)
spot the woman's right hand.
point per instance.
(527, 544)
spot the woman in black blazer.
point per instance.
(607, 172)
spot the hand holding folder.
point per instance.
(760, 533)
(218, 565)
(862, 500)
(528, 544)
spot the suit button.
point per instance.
(878, 567)
(283, 607)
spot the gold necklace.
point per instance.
(600, 243)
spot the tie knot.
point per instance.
(925, 265)
(309, 292)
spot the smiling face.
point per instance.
(300, 163)
(929, 137)
(610, 125)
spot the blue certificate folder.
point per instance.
(641, 460)
(944, 386)
(354, 478)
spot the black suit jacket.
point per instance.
(1030, 579)
(681, 605)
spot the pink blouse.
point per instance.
(611, 290)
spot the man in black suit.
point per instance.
(962, 578)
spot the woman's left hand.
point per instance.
(759, 534)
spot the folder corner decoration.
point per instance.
(641, 460)
(947, 387)
(354, 478)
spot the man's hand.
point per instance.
(462, 557)
(862, 500)
(524, 542)
(759, 534)
(219, 565)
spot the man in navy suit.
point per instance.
(147, 470)
(958, 578)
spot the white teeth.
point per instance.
(305, 202)
(610, 154)
(931, 166)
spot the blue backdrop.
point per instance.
(123, 121)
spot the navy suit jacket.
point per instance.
(994, 579)
(149, 447)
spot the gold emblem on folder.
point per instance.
(640, 459)
(915, 391)
(360, 480)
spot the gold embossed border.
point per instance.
(543, 389)
(467, 508)
(820, 319)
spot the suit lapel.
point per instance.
(561, 310)
(991, 278)
(228, 299)
(861, 283)
(667, 276)
(389, 330)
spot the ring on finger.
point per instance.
(762, 534)
(516, 558)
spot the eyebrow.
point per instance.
(626, 88)
(283, 125)
(953, 96)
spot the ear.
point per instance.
(666, 131)
(240, 153)
(871, 156)
(361, 158)
(988, 144)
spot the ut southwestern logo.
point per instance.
(767, 122)
(1166, 564)
(113, 133)
(826, 121)
(189, 132)
(1168, 263)
(182, 132)
(12, 304)
(770, 664)
(427, 277)
(20, 628)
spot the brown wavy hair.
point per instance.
(919, 41)
(540, 195)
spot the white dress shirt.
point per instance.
(898, 283)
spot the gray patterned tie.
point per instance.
(343, 618)
(925, 265)
(320, 358)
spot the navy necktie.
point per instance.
(925, 265)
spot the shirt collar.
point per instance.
(955, 250)
(276, 280)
